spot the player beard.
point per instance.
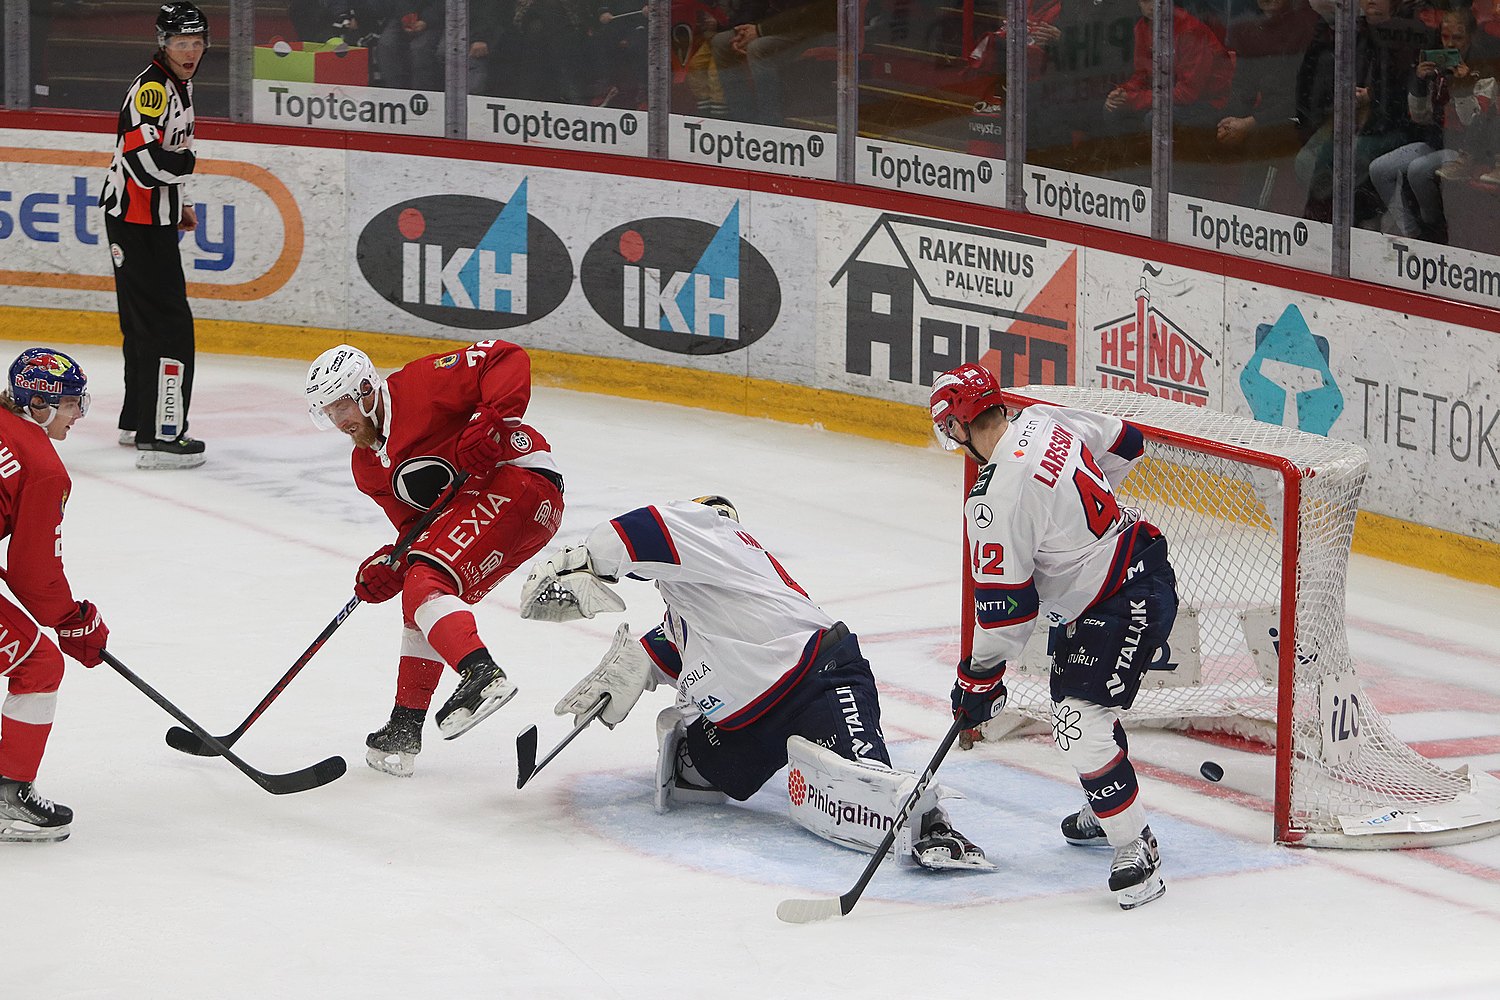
(362, 434)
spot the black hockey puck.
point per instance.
(1210, 770)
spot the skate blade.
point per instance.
(163, 460)
(21, 832)
(939, 863)
(400, 765)
(1099, 841)
(461, 721)
(1140, 895)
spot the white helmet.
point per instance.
(341, 372)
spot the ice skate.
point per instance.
(127, 439)
(1134, 876)
(483, 690)
(395, 745)
(26, 817)
(181, 452)
(1083, 829)
(942, 847)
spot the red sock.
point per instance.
(416, 680)
(455, 635)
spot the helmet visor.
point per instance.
(943, 431)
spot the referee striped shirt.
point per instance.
(153, 150)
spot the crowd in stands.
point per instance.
(728, 52)
(1253, 86)
(1253, 94)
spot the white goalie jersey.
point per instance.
(1046, 535)
(739, 633)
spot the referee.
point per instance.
(144, 210)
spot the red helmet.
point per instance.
(961, 395)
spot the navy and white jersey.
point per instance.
(738, 633)
(153, 150)
(1046, 536)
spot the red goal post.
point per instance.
(1259, 520)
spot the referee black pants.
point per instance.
(157, 326)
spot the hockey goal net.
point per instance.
(1259, 520)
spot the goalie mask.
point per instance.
(45, 376)
(341, 372)
(958, 398)
(720, 504)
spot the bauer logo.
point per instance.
(1145, 351)
(465, 261)
(681, 285)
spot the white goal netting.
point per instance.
(1250, 570)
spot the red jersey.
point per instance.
(34, 489)
(427, 405)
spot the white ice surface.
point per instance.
(183, 879)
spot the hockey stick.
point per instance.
(526, 762)
(187, 742)
(320, 773)
(805, 911)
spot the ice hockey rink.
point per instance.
(184, 879)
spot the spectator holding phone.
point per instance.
(1447, 97)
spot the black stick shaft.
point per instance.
(179, 740)
(583, 723)
(276, 784)
(848, 899)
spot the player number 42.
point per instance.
(989, 558)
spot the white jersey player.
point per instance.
(1049, 543)
(762, 675)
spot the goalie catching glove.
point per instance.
(623, 674)
(978, 695)
(566, 587)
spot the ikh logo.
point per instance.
(682, 285)
(1146, 352)
(465, 261)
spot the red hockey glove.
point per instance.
(378, 580)
(83, 635)
(479, 443)
(978, 695)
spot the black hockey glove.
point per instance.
(978, 695)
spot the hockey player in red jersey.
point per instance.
(413, 433)
(1049, 542)
(47, 394)
(763, 676)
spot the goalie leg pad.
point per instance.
(677, 779)
(1093, 742)
(852, 802)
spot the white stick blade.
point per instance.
(806, 911)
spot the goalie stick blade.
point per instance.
(807, 911)
(526, 744)
(184, 741)
(316, 776)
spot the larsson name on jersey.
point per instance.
(1055, 456)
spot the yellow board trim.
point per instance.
(1388, 538)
